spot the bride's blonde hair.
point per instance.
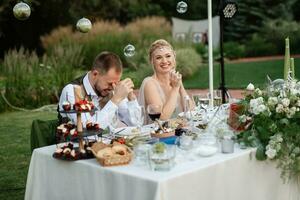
(159, 44)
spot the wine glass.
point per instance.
(137, 116)
(154, 111)
(217, 97)
(196, 98)
(203, 102)
(114, 123)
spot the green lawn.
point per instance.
(239, 75)
(15, 151)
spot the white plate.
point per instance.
(130, 131)
(196, 115)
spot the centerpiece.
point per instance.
(269, 119)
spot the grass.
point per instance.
(239, 75)
(15, 151)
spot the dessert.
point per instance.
(163, 131)
(69, 152)
(84, 105)
(66, 106)
(90, 126)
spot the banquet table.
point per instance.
(233, 176)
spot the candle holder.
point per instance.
(227, 144)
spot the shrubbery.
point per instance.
(31, 81)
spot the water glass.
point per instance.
(185, 142)
(141, 151)
(137, 116)
(114, 123)
(162, 161)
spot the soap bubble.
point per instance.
(84, 25)
(129, 50)
(21, 11)
(181, 7)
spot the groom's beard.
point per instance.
(104, 93)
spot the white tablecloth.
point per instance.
(224, 176)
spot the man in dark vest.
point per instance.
(108, 93)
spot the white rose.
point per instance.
(261, 108)
(285, 102)
(272, 101)
(243, 118)
(271, 153)
(298, 103)
(258, 91)
(250, 87)
(279, 108)
(260, 100)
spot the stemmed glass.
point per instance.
(217, 97)
(203, 102)
(154, 111)
(114, 123)
(196, 98)
(137, 116)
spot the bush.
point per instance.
(278, 30)
(26, 81)
(233, 50)
(110, 36)
(31, 82)
(258, 46)
(188, 61)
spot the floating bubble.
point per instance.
(181, 7)
(21, 11)
(129, 50)
(84, 25)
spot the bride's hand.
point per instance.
(175, 79)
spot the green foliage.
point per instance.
(30, 82)
(258, 46)
(63, 62)
(278, 29)
(111, 36)
(25, 79)
(253, 13)
(188, 61)
(234, 50)
(273, 120)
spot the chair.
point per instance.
(43, 133)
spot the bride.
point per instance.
(164, 88)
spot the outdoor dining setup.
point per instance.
(194, 154)
(129, 116)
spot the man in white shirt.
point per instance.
(102, 83)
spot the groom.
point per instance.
(108, 93)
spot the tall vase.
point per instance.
(286, 58)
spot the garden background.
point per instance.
(40, 55)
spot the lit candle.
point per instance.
(286, 58)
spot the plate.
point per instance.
(197, 116)
(80, 156)
(131, 131)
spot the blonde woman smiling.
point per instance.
(164, 88)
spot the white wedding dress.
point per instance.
(162, 95)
